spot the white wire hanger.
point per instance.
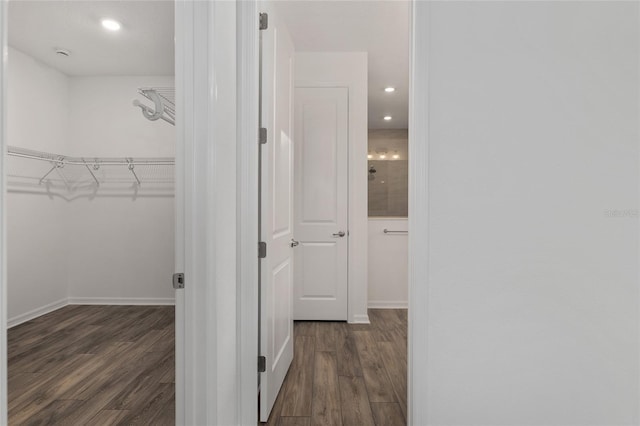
(164, 105)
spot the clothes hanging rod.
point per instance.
(387, 231)
(62, 160)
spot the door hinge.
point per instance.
(262, 135)
(262, 250)
(262, 364)
(264, 21)
(178, 280)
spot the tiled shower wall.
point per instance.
(389, 185)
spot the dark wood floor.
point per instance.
(347, 374)
(93, 365)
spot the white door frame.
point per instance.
(248, 188)
(217, 368)
(217, 168)
(3, 217)
(217, 45)
(418, 212)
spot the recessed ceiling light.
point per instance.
(383, 156)
(396, 156)
(369, 156)
(387, 117)
(111, 24)
(389, 89)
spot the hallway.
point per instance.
(347, 374)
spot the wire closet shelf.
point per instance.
(92, 165)
(163, 99)
(164, 103)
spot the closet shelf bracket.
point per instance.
(133, 172)
(54, 165)
(163, 99)
(91, 171)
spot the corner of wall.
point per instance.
(35, 313)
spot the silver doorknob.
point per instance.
(294, 243)
(339, 234)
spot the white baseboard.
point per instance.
(360, 319)
(121, 301)
(43, 310)
(388, 304)
(35, 313)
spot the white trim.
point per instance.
(360, 319)
(388, 304)
(418, 214)
(207, 80)
(183, 52)
(247, 206)
(38, 312)
(3, 219)
(54, 306)
(120, 301)
(358, 210)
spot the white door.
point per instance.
(321, 203)
(276, 273)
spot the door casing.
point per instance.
(357, 216)
(3, 216)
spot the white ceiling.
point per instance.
(380, 28)
(144, 45)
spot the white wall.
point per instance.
(114, 245)
(348, 69)
(37, 116)
(121, 245)
(388, 263)
(104, 121)
(532, 300)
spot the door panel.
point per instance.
(321, 194)
(318, 281)
(318, 163)
(280, 302)
(282, 202)
(276, 316)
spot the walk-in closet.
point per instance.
(90, 203)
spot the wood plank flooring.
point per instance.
(93, 365)
(114, 365)
(346, 374)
